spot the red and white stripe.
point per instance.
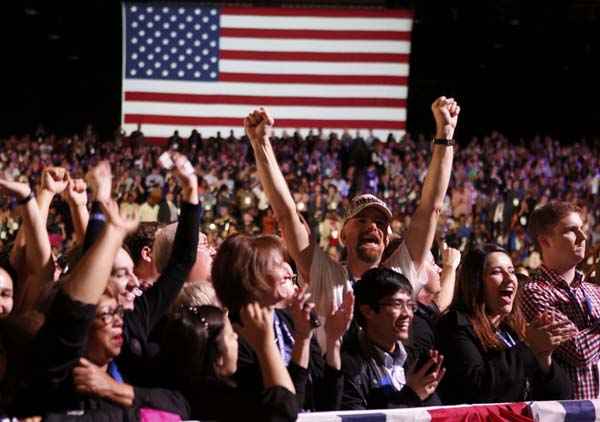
(313, 68)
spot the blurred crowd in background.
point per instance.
(495, 185)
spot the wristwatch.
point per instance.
(445, 142)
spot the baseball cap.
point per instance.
(364, 201)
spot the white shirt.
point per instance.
(330, 280)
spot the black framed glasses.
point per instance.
(409, 306)
(108, 316)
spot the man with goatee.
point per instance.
(365, 230)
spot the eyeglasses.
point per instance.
(107, 317)
(409, 306)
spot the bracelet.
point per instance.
(25, 200)
(445, 142)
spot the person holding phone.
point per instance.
(376, 369)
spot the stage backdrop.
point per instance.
(191, 66)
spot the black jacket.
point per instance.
(138, 358)
(307, 382)
(215, 399)
(476, 376)
(423, 338)
(361, 389)
(58, 346)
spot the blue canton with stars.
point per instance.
(171, 42)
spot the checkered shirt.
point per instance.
(580, 303)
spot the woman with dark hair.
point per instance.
(199, 353)
(492, 355)
(255, 269)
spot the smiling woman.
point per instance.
(492, 355)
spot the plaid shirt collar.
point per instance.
(555, 279)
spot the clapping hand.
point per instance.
(301, 309)
(425, 380)
(548, 331)
(339, 320)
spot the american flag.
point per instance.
(199, 67)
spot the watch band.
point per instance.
(445, 142)
(25, 200)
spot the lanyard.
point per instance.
(587, 304)
(506, 338)
(283, 338)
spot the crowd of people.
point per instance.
(256, 278)
(496, 182)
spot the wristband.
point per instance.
(25, 200)
(445, 142)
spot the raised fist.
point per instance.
(55, 179)
(259, 124)
(445, 112)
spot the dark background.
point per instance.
(519, 66)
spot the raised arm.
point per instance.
(155, 302)
(259, 125)
(257, 330)
(88, 280)
(421, 231)
(99, 179)
(450, 261)
(37, 250)
(31, 251)
(76, 196)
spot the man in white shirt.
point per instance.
(365, 229)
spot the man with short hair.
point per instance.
(140, 246)
(373, 364)
(365, 227)
(559, 287)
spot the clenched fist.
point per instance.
(445, 112)
(259, 125)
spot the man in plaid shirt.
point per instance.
(557, 229)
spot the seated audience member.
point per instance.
(74, 351)
(559, 287)
(492, 355)
(374, 363)
(248, 269)
(366, 223)
(199, 354)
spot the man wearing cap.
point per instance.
(365, 229)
